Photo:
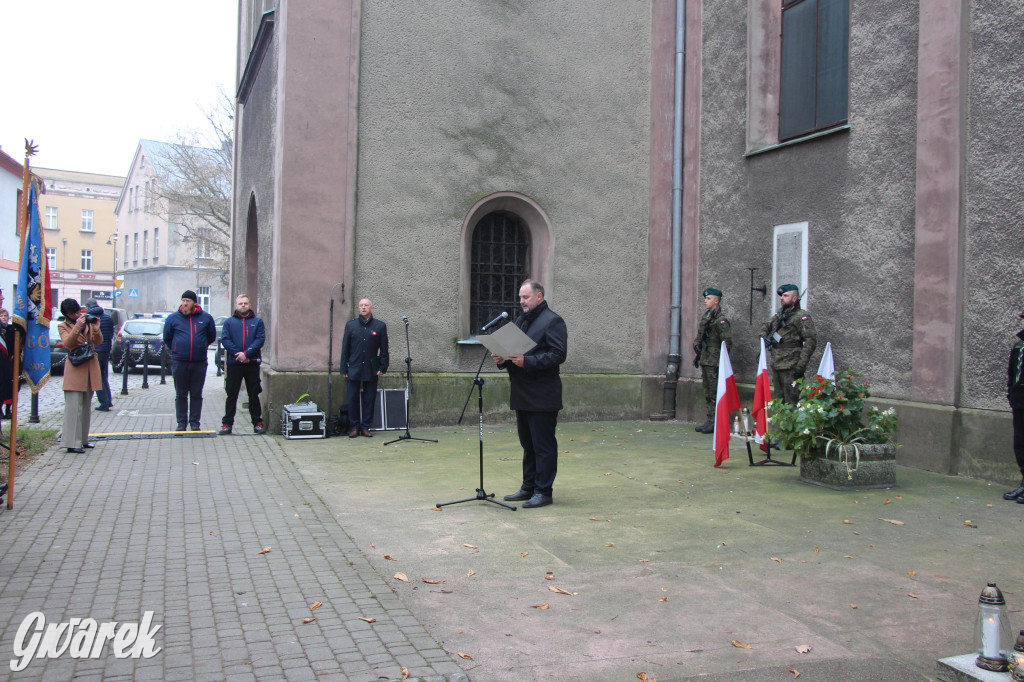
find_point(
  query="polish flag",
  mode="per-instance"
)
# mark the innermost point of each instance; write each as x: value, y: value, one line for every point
x: 728, y: 401
x: 762, y: 396
x: 827, y: 367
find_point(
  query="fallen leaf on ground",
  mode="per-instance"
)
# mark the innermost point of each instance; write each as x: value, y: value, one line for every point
x: 593, y: 518
x: 264, y: 550
x: 307, y: 621
x: 644, y: 677
x: 847, y: 521
x: 912, y: 595
x: 542, y: 607
x: 524, y: 554
x: 911, y: 573
x: 405, y: 673
x: 796, y: 673
x: 644, y: 561
x: 892, y: 521
x: 853, y: 606
x: 390, y: 558
x: 465, y: 656
x: 886, y: 501
x: 315, y: 605
x: 968, y: 524
x: 816, y: 550
x: 856, y: 533
x: 847, y: 556
x: 607, y: 473
x: 740, y: 645
x: 899, y: 497
x: 775, y: 558
x: 559, y: 590
x: 610, y: 544
x: 373, y: 546
x: 989, y: 506
x: 196, y: 463
x: 803, y: 648
x: 663, y: 599
x: 432, y: 582
x: 368, y: 620
x: 402, y: 576
x: 470, y: 546
x: 471, y: 573
x: 436, y: 509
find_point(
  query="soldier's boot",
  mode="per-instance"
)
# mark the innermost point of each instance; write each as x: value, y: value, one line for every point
x: 1016, y: 494
x: 707, y: 427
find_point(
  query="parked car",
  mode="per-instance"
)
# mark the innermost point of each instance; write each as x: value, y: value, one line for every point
x: 219, y: 323
x: 133, y: 335
x: 58, y: 353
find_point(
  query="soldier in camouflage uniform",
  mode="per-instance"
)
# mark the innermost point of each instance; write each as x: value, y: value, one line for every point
x: 711, y: 332
x: 790, y: 335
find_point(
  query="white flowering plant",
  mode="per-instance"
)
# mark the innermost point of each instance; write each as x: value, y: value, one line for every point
x: 831, y: 414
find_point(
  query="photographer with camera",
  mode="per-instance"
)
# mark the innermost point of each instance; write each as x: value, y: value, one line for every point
x: 92, y: 307
x: 80, y: 332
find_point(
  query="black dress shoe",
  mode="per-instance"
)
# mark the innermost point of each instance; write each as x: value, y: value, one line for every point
x: 519, y: 495
x: 78, y: 451
x: 354, y: 433
x: 1015, y: 494
x: 89, y: 446
x: 181, y: 428
x: 366, y: 433
x: 1020, y: 500
x: 103, y: 409
x: 537, y: 500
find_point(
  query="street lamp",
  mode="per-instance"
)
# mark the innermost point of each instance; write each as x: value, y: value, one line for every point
x: 64, y: 266
x: 113, y: 291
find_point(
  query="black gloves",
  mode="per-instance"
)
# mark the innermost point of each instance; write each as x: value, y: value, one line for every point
x: 798, y: 374
x: 696, y: 362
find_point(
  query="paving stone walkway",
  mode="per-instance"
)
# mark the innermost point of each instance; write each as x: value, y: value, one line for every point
x: 178, y: 526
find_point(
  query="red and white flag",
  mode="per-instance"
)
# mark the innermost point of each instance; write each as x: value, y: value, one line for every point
x: 728, y: 401
x: 827, y: 367
x: 762, y: 396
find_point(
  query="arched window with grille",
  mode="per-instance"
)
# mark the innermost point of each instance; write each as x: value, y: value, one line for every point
x: 499, y: 262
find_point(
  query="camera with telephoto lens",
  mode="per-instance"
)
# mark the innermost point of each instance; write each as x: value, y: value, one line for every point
x: 89, y: 319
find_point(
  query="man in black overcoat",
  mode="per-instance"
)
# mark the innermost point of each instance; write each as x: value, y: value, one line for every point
x: 536, y: 394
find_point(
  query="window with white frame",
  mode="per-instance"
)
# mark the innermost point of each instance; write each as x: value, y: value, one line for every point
x: 87, y: 215
x: 51, y: 257
x: 51, y: 218
x: 203, y: 294
x: 126, y: 251
x: 156, y: 244
x: 86, y: 260
x: 202, y: 248
x: 135, y: 253
x: 131, y: 199
x: 145, y: 246
x: 789, y: 259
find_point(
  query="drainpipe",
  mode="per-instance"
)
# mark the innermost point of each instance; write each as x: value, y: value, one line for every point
x: 674, y: 358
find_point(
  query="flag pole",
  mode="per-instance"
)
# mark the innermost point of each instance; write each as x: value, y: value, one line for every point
x: 30, y: 149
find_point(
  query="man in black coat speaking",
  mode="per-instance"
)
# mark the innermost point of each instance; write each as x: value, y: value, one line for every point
x: 536, y: 394
x: 364, y: 357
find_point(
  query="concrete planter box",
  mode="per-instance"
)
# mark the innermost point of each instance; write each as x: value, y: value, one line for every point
x: 877, y: 468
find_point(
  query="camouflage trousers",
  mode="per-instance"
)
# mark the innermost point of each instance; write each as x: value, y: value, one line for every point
x: 782, y: 386
x: 709, y: 373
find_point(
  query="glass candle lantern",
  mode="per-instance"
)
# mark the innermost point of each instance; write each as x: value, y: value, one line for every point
x: 992, y: 634
x: 1017, y: 659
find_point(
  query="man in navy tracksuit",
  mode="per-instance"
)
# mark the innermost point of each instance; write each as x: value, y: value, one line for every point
x: 189, y: 333
x: 243, y: 335
x: 364, y: 357
x: 103, y: 353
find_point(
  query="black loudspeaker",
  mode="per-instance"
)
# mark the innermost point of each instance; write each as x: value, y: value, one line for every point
x: 390, y: 409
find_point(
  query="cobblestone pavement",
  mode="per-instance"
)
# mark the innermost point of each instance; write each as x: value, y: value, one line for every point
x: 178, y: 526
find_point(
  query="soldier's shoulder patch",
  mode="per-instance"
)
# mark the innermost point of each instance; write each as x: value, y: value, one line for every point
x: 803, y: 318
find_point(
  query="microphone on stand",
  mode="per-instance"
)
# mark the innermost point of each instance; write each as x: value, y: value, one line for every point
x: 495, y: 321
x: 405, y: 318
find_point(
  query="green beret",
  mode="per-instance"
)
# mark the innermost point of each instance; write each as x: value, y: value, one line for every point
x: 711, y: 291
x: 787, y: 287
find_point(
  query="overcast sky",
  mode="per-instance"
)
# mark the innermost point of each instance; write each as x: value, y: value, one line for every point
x: 88, y: 80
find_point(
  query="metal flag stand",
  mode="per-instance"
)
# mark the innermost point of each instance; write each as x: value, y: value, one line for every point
x: 767, y: 461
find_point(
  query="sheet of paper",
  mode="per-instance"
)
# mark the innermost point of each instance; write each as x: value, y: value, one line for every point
x: 509, y: 340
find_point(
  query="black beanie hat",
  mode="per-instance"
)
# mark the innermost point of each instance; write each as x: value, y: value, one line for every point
x: 190, y: 295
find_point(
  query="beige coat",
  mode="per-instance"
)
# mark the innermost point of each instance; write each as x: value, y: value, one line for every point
x: 84, y: 377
